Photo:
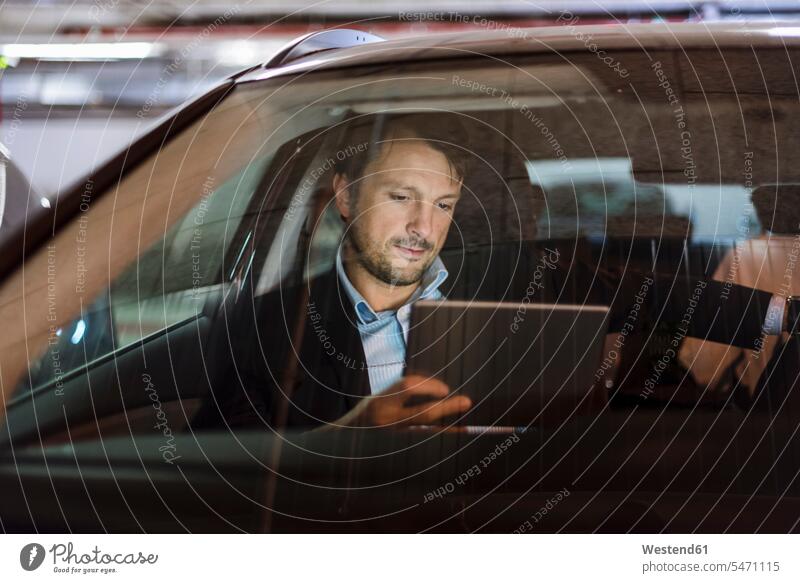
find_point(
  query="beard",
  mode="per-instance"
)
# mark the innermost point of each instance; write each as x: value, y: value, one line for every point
x: 376, y: 257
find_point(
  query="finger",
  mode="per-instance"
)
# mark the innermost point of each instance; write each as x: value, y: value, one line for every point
x: 420, y: 385
x: 430, y: 413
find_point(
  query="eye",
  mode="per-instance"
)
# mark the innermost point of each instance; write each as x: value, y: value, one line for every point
x: 398, y: 196
x: 446, y: 206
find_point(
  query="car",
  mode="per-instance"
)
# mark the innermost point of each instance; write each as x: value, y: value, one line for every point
x: 628, y: 151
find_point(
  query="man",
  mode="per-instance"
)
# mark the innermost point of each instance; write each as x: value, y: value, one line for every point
x: 343, y: 365
x: 397, y: 210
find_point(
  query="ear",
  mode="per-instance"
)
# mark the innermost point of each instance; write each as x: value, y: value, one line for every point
x: 342, y: 196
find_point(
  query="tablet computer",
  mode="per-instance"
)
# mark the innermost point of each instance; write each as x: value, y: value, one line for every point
x: 521, y: 364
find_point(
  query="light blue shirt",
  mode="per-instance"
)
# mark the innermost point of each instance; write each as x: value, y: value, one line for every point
x: 384, y: 334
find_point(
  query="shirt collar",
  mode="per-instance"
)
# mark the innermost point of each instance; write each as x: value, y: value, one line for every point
x: 432, y: 279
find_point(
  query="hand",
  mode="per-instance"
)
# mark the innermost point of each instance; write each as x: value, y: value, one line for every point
x: 392, y: 408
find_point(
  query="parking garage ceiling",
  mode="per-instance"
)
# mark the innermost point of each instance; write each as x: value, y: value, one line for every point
x: 47, y: 17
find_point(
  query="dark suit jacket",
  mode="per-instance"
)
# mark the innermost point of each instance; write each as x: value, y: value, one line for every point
x: 282, y: 371
x: 296, y: 357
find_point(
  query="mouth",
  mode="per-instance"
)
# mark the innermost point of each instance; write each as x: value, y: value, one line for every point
x: 411, y: 253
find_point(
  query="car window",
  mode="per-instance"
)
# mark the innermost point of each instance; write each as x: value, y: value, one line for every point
x: 168, y: 283
x: 155, y: 248
x: 607, y: 178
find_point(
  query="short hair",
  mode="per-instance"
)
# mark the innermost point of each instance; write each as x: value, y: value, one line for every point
x: 778, y: 207
x: 364, y: 136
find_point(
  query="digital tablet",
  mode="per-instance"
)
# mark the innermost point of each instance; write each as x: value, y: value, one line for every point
x: 521, y: 364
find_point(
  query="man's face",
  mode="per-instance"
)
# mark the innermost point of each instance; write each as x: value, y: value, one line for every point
x: 399, y: 218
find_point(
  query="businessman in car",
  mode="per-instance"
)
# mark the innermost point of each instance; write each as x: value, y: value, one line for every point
x: 344, y: 365
x: 341, y: 362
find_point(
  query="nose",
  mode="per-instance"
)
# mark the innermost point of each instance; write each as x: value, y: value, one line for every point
x: 420, y: 222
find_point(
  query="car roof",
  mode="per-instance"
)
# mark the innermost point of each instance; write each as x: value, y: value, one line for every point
x: 510, y: 41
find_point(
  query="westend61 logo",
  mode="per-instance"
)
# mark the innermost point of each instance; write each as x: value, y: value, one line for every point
x: 31, y: 556
x: 65, y: 560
